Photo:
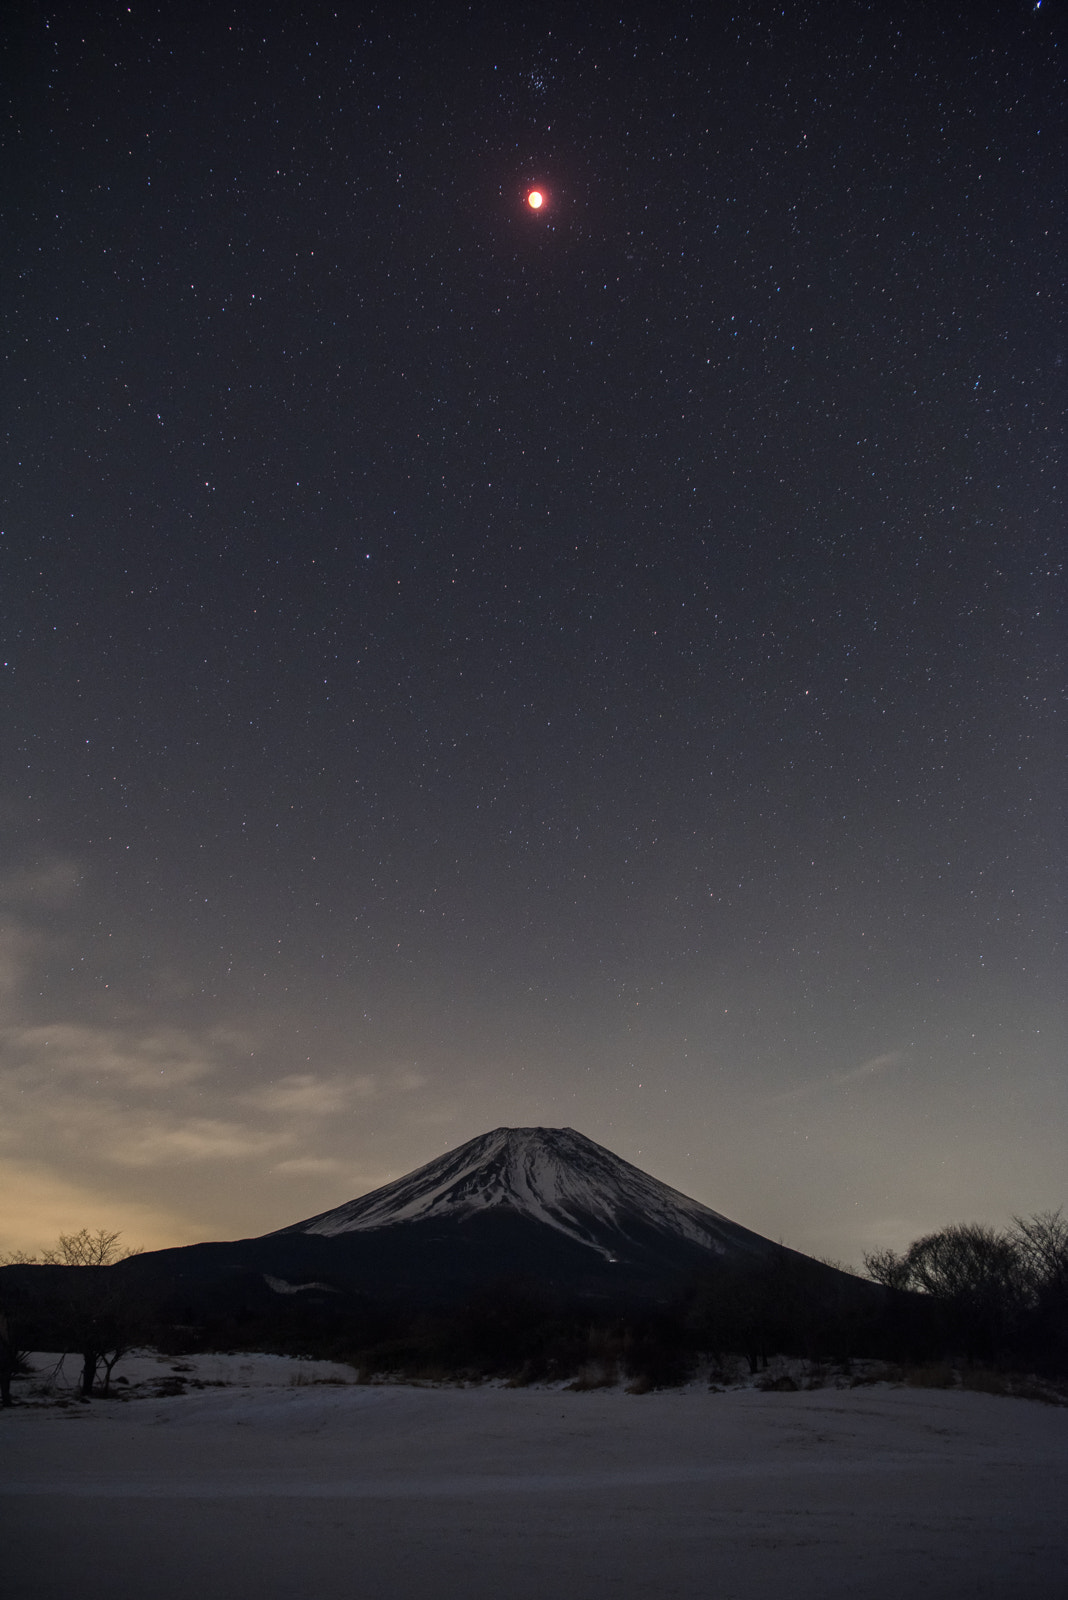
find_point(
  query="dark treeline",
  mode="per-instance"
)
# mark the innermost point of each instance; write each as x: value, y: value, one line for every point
x: 967, y: 1296
x: 995, y: 1296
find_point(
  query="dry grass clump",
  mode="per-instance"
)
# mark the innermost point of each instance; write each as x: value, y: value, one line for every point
x: 932, y: 1375
x: 596, y: 1375
x: 1013, y: 1385
x: 983, y: 1380
x: 641, y: 1385
x: 976, y: 1380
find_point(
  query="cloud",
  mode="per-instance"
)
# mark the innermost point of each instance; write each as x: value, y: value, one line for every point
x: 409, y: 1082
x: 125, y: 1096
x: 873, y: 1067
x: 102, y: 1109
x: 48, y: 886
x: 27, y: 895
x: 93, y: 1099
x: 193, y: 1139
x: 103, y: 1130
x: 156, y: 1058
x: 181, y: 1120
x: 305, y: 1094
x: 18, y: 946
x: 311, y: 1167
x: 302, y: 1094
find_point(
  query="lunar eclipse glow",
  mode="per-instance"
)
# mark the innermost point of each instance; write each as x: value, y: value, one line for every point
x: 536, y: 199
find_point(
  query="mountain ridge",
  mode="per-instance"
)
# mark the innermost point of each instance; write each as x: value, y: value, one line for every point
x: 554, y: 1176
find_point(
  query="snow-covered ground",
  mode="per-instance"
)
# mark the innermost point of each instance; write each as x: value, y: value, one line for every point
x: 282, y: 1479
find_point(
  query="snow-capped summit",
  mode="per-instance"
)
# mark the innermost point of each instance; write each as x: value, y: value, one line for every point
x: 552, y: 1176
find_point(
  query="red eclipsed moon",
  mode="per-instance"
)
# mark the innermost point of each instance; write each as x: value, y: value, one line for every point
x: 535, y: 199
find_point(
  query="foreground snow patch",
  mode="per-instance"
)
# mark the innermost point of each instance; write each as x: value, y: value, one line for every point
x: 268, y: 1488
x: 146, y: 1372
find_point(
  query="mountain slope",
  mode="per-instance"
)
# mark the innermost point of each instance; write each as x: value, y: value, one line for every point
x: 552, y: 1176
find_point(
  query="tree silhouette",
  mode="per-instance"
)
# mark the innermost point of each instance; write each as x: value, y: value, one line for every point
x: 997, y: 1291
x: 88, y: 1307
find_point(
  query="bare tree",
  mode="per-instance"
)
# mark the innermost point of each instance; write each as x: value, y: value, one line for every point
x: 997, y: 1292
x: 91, y: 1309
x: 887, y: 1268
x: 972, y: 1263
x: 82, y: 1249
x: 12, y: 1359
x: 1042, y: 1244
x: 85, y: 1249
x: 969, y: 1264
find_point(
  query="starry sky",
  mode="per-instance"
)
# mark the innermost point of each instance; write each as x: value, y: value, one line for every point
x: 464, y: 665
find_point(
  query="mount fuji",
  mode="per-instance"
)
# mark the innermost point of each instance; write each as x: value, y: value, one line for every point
x: 554, y: 1177
x: 535, y: 1206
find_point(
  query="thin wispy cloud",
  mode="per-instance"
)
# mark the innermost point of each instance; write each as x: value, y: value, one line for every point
x: 18, y: 946
x: 95, y: 1105
x: 873, y: 1067
x: 303, y: 1094
x: 48, y: 886
x: 197, y: 1139
x: 312, y: 1167
x: 150, y: 1058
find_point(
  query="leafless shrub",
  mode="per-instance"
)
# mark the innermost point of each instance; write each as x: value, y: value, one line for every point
x: 780, y: 1384
x: 641, y: 1385
x: 595, y: 1375
x: 934, y: 1375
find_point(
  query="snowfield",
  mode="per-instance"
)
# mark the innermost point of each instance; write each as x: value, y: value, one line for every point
x: 285, y: 1478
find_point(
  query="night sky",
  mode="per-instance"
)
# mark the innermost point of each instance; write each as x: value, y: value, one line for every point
x: 465, y: 665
